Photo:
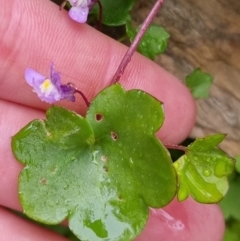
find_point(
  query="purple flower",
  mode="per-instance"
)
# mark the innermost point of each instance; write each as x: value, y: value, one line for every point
x: 80, y: 9
x: 49, y: 89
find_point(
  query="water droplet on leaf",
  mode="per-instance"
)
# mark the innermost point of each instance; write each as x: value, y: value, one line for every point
x: 172, y: 223
x: 207, y: 172
x: 95, y: 157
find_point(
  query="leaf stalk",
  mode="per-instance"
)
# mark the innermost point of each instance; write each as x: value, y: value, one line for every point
x: 126, y: 59
x: 176, y: 147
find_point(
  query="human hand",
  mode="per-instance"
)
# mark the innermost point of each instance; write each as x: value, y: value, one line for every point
x: 35, y: 33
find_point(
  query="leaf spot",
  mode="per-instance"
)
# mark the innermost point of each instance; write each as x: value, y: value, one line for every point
x: 114, y: 136
x: 43, y: 181
x: 105, y: 169
x: 104, y: 158
x: 98, y: 117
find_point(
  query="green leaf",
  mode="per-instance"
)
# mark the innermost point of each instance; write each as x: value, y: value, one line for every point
x: 101, y: 172
x: 232, y: 232
x: 231, y: 235
x: 153, y: 43
x: 199, y: 83
x: 115, y: 12
x: 231, y: 202
x: 203, y: 169
x: 237, y: 164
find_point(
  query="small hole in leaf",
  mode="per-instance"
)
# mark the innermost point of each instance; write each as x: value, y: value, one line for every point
x: 105, y: 169
x: 114, y: 136
x: 98, y: 117
x: 43, y: 181
x: 104, y: 158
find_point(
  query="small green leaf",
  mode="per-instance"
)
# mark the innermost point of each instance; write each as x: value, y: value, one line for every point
x: 232, y: 232
x: 231, y: 235
x: 237, y: 164
x: 231, y: 202
x: 115, y: 12
x: 101, y: 172
x: 199, y: 83
x: 203, y: 169
x: 153, y: 43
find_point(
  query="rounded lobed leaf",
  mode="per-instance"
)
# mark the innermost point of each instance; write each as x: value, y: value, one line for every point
x: 101, y: 172
x: 203, y: 170
x: 126, y: 135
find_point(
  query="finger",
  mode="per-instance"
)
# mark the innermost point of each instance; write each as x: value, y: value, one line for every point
x: 36, y: 33
x: 15, y: 228
x: 184, y: 221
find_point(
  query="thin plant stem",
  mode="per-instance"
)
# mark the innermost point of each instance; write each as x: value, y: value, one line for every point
x: 83, y: 96
x: 63, y: 4
x: 100, y: 15
x: 176, y: 147
x: 72, y: 86
x: 126, y: 59
x: 123, y: 38
x: 100, y: 12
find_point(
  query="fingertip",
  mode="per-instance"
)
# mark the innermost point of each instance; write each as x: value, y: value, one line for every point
x: 180, y: 113
x: 184, y: 221
x: 14, y: 228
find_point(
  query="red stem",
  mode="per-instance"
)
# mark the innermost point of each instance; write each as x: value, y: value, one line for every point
x: 63, y: 5
x: 176, y: 147
x: 126, y: 59
x: 83, y: 96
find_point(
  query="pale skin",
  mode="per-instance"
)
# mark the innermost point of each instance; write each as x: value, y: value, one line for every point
x: 34, y: 33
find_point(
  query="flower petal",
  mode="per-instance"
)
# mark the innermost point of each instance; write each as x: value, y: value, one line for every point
x: 68, y: 92
x: 48, y: 92
x: 55, y: 76
x: 49, y: 89
x: 79, y: 14
x: 49, y: 99
x: 33, y: 77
